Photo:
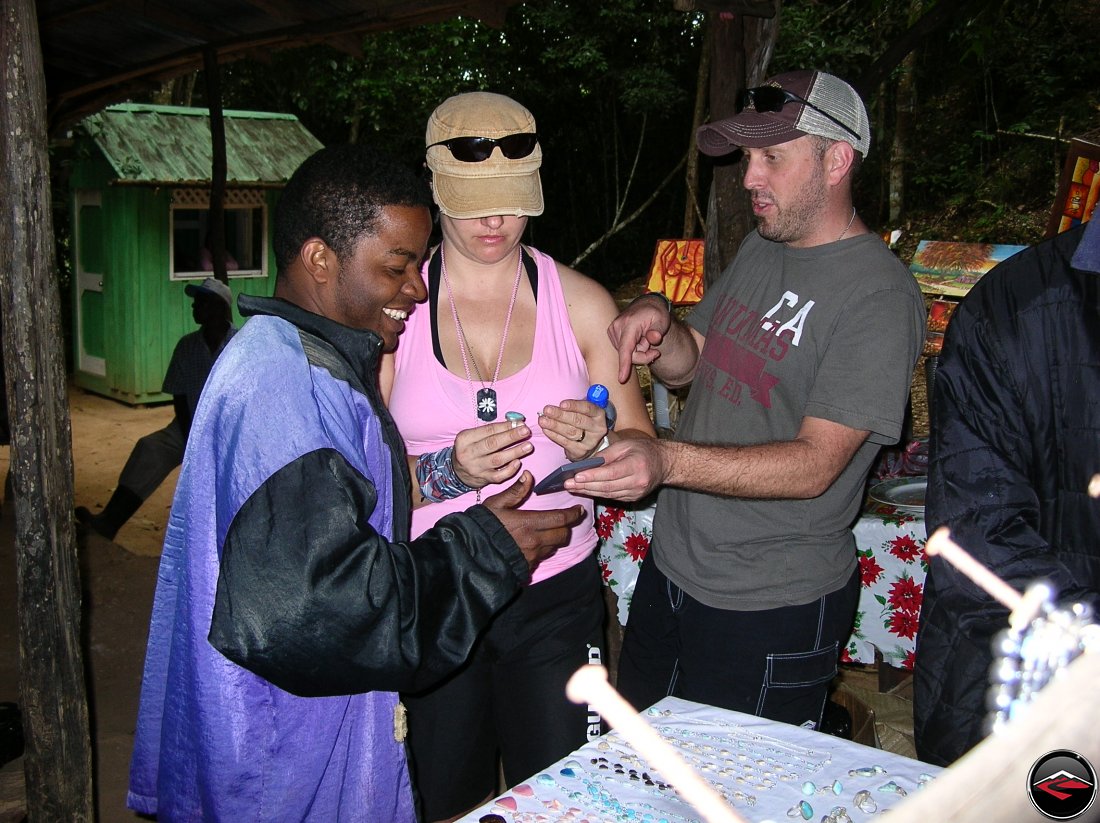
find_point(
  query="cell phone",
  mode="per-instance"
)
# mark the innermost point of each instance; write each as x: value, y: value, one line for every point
x: 555, y: 481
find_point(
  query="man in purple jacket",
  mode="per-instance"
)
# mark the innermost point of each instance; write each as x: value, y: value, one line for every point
x: 290, y: 604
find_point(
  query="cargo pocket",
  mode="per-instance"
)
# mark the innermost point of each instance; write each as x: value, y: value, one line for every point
x: 796, y: 685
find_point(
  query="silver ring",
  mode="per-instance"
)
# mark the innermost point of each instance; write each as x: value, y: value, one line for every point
x: 584, y: 434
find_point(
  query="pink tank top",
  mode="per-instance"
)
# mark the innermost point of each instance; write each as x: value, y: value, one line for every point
x: 431, y: 406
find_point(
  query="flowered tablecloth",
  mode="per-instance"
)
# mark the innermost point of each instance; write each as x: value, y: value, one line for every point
x: 892, y: 566
x: 624, y: 536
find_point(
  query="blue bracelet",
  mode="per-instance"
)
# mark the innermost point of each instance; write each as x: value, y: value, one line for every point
x: 435, y: 472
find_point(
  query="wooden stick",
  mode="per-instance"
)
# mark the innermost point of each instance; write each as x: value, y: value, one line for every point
x: 987, y: 783
x: 941, y: 543
x: 589, y: 685
x: 1031, y: 605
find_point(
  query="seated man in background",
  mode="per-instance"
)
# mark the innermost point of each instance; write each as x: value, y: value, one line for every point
x: 1015, y: 432
x: 155, y: 455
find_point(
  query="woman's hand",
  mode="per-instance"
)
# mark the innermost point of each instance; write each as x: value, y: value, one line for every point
x: 578, y: 426
x: 491, y: 453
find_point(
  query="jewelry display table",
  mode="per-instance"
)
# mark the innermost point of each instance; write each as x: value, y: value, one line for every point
x: 890, y: 544
x: 765, y: 771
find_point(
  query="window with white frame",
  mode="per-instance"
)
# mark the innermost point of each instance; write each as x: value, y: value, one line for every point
x: 245, y: 233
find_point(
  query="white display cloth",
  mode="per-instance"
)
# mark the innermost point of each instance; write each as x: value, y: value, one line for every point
x: 763, y: 769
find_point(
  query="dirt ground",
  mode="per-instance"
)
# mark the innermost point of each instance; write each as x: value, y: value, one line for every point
x: 103, y: 433
x: 117, y: 581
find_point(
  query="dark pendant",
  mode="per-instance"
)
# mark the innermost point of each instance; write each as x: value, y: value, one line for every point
x: 486, y: 404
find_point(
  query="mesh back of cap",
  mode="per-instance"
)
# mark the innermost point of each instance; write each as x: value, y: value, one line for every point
x: 841, y: 101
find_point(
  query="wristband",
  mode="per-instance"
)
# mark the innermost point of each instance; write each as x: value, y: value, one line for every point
x: 664, y: 297
x: 435, y: 472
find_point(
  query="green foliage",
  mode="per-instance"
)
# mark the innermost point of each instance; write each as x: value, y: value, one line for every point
x: 999, y: 91
x: 601, y: 79
x: 612, y: 86
x: 823, y: 36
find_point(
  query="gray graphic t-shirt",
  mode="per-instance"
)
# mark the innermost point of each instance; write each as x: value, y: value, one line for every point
x: 831, y: 332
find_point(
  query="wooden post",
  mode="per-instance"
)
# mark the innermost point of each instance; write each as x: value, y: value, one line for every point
x: 58, y: 764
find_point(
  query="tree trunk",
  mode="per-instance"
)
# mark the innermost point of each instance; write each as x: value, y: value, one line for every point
x: 176, y: 92
x: 58, y: 765
x: 904, y: 104
x: 742, y: 50
x: 692, y: 213
x: 183, y: 90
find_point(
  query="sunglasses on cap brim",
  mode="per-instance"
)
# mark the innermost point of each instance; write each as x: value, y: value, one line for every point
x: 477, y: 149
x: 774, y: 98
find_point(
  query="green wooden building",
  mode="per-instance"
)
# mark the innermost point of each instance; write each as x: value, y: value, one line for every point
x: 140, y: 197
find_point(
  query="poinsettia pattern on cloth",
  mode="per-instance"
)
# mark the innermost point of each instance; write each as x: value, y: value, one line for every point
x: 624, y: 538
x: 893, y: 565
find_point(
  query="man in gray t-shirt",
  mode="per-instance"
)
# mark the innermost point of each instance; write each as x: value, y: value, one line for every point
x: 800, y: 358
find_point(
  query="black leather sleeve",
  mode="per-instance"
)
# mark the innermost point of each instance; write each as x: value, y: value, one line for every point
x: 313, y: 599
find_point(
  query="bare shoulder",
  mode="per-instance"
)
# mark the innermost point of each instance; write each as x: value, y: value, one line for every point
x: 588, y: 301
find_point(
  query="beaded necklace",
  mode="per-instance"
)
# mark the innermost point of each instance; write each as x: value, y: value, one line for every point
x: 485, y: 398
x: 762, y: 749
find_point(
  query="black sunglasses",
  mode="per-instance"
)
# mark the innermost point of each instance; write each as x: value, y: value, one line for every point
x: 774, y: 98
x: 476, y: 149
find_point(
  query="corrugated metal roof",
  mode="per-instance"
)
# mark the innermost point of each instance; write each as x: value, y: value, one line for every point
x: 162, y: 145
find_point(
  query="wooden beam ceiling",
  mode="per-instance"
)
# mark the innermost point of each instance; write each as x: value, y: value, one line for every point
x: 98, y: 52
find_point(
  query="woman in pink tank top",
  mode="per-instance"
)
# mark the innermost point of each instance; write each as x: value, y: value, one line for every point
x: 505, y: 329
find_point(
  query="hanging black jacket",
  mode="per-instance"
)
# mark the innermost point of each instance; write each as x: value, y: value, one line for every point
x: 1015, y: 438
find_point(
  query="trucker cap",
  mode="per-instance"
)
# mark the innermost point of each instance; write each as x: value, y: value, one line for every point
x: 789, y: 106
